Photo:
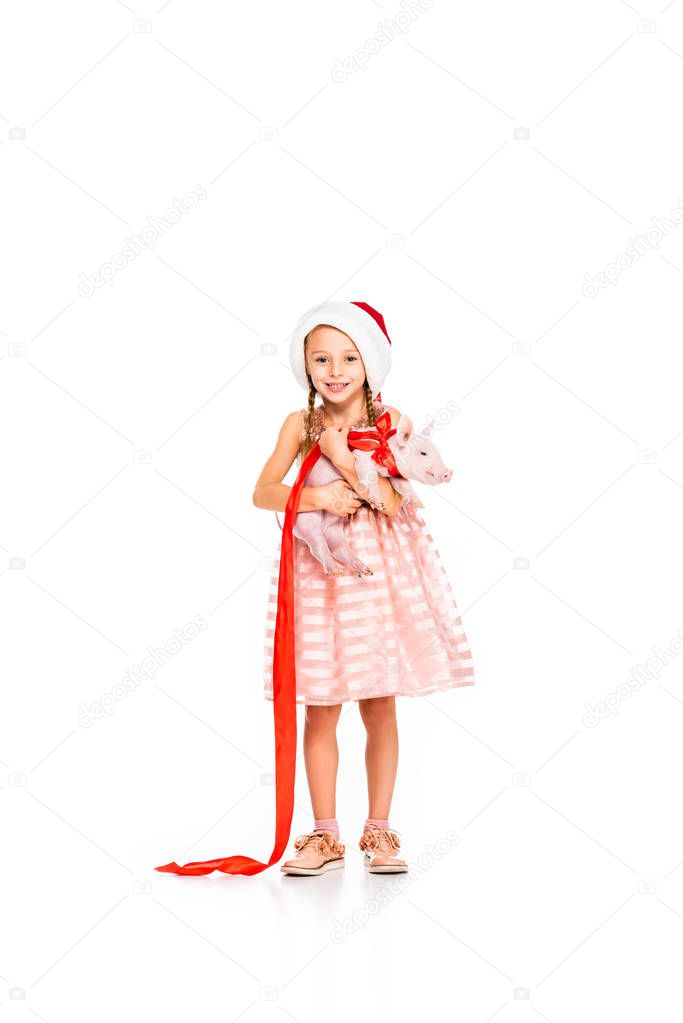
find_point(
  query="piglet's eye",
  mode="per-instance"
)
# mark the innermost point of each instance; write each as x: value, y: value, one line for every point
x: 423, y: 452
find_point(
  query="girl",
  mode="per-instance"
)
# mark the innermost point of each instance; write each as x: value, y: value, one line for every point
x: 369, y: 638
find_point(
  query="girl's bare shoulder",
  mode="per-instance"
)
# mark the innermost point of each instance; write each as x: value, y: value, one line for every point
x: 285, y: 450
x: 291, y: 426
x: 394, y: 413
x: 289, y: 435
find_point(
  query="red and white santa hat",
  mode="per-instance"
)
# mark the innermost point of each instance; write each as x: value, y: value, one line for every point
x: 363, y: 324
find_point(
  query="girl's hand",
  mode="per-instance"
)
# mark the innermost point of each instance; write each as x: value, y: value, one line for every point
x: 338, y: 497
x: 334, y: 445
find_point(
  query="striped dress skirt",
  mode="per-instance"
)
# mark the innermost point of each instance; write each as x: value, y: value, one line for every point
x: 396, y: 632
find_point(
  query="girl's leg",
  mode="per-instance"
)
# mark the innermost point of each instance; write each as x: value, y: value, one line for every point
x: 321, y: 755
x: 381, y: 752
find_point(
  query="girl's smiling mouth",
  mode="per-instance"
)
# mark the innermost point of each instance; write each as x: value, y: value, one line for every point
x: 336, y: 387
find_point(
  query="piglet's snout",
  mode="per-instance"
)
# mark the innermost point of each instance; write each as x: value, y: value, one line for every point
x: 440, y: 475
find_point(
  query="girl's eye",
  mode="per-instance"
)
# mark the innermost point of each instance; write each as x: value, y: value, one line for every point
x: 319, y: 357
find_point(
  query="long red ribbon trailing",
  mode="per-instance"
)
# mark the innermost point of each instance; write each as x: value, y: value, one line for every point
x: 284, y: 703
x: 284, y: 670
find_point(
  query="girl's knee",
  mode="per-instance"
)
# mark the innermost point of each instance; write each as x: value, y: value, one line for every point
x: 379, y: 708
x: 322, y: 717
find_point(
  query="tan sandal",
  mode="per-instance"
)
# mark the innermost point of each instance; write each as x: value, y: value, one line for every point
x: 379, y: 846
x: 317, y: 853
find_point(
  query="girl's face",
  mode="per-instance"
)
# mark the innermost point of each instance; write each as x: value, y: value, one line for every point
x: 334, y: 364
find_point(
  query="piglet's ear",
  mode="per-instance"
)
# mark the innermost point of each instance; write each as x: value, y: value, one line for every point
x: 427, y: 430
x: 404, y: 430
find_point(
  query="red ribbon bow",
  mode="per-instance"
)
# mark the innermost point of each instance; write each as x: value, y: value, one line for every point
x: 377, y: 441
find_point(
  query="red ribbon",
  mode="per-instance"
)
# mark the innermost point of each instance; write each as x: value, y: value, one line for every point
x: 284, y: 703
x: 284, y: 671
x: 377, y: 442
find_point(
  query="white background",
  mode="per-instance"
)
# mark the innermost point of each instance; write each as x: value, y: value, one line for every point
x: 468, y: 177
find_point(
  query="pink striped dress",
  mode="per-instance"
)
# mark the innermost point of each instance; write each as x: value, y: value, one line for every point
x: 394, y: 633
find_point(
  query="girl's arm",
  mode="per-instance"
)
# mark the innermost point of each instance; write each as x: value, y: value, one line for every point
x: 391, y: 499
x: 270, y: 493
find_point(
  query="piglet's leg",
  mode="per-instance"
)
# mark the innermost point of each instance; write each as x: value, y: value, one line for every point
x: 309, y: 528
x: 405, y: 488
x: 368, y: 471
x: 339, y: 546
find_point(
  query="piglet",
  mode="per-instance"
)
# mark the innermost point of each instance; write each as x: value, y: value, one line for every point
x: 416, y: 458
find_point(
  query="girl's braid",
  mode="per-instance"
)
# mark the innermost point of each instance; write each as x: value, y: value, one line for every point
x: 307, y: 442
x: 372, y: 419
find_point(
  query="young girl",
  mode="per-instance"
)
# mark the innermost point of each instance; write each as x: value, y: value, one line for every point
x: 366, y: 638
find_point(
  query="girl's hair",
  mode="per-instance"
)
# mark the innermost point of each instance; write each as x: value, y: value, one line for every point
x: 307, y: 441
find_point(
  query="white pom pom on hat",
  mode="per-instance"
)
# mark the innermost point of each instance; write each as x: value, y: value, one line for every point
x: 363, y: 324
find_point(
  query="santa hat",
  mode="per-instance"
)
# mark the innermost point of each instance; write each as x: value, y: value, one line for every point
x: 363, y: 324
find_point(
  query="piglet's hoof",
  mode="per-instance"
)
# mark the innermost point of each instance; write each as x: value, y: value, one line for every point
x: 330, y: 566
x: 359, y: 567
